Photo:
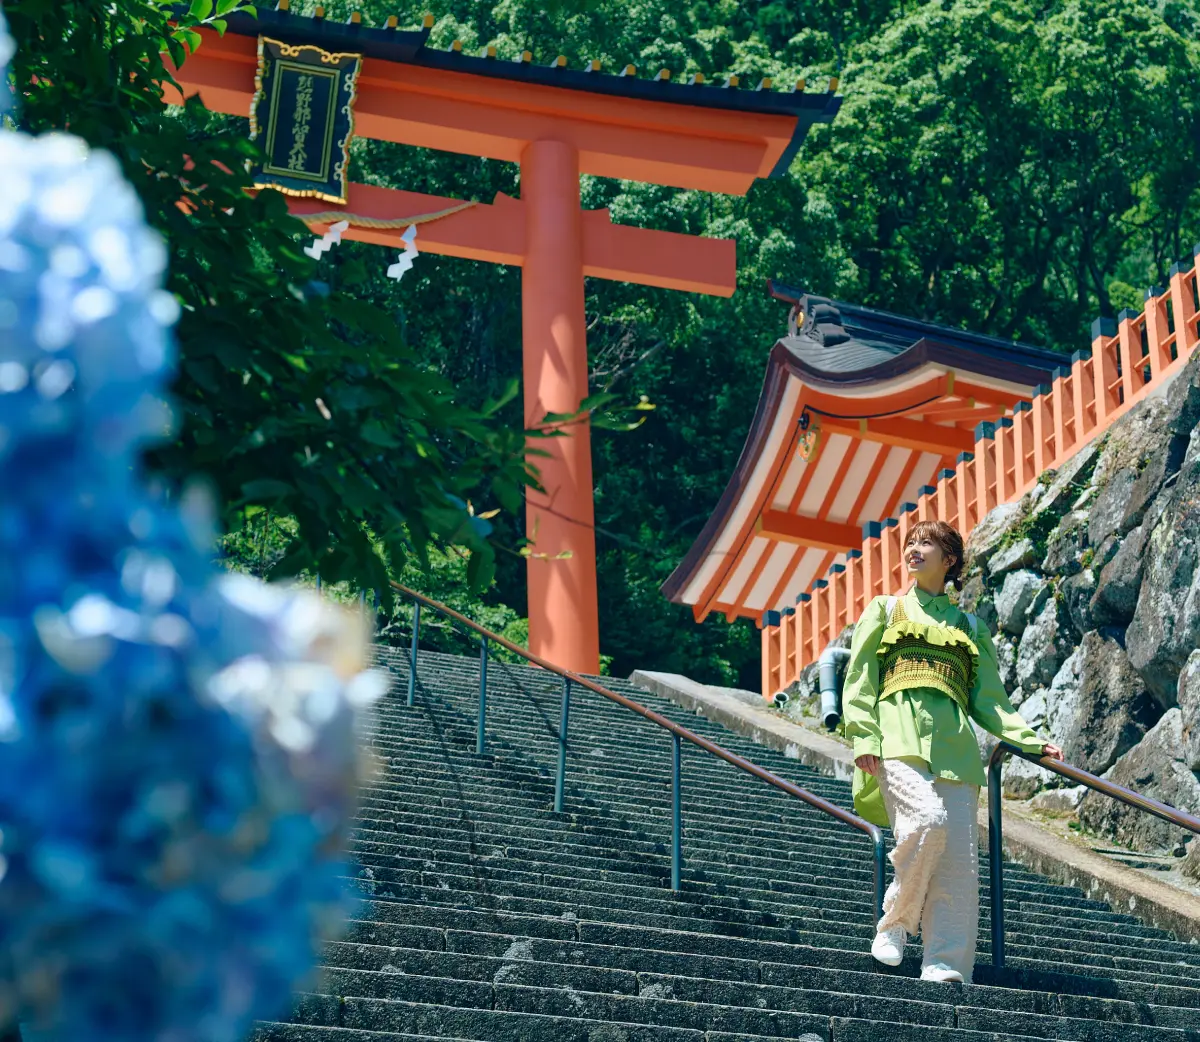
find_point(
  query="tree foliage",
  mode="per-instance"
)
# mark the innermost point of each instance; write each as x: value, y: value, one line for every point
x: 295, y: 393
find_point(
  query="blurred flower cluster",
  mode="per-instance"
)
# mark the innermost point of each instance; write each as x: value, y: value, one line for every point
x: 178, y: 759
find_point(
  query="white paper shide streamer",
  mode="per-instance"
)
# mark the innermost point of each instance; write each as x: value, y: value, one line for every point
x: 327, y: 241
x: 405, y: 260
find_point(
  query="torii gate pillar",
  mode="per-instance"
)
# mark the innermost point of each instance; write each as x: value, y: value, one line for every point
x: 564, y: 625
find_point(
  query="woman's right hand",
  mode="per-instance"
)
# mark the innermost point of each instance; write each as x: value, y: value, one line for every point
x: 868, y: 764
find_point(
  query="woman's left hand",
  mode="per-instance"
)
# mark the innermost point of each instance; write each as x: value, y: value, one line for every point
x: 1053, y: 751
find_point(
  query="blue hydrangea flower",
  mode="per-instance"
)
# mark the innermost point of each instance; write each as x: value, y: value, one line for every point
x: 178, y: 762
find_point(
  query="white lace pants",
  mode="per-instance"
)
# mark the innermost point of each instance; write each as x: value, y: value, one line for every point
x: 936, y: 861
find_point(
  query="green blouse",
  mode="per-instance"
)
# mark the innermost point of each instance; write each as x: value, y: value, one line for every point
x: 923, y: 722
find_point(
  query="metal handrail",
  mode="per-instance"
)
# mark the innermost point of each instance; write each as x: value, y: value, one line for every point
x: 677, y: 732
x: 1076, y: 774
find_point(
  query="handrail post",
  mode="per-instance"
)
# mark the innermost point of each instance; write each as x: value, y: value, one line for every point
x: 483, y: 659
x: 996, y: 856
x: 880, y: 860
x: 412, y: 657
x: 561, y: 777
x: 676, y: 813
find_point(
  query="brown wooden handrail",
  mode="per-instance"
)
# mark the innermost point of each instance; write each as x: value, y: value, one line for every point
x: 1081, y: 777
x: 679, y: 733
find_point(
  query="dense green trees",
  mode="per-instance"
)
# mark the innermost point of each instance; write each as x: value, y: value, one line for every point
x: 1011, y: 166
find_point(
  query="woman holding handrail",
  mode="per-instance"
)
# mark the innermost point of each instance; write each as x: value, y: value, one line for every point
x: 920, y: 671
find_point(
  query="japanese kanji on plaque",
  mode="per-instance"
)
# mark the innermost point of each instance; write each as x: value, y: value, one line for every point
x: 303, y: 116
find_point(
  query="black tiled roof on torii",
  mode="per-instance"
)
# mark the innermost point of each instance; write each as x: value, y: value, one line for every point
x: 409, y: 46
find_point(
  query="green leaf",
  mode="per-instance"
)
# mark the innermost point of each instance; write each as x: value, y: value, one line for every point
x: 200, y: 9
x: 376, y: 435
x: 266, y: 488
x: 481, y: 570
x: 511, y: 390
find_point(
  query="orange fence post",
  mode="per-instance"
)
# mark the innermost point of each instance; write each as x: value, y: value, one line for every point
x: 872, y: 561
x: 837, y: 599
x: 907, y: 518
x: 856, y: 598
x: 1021, y: 448
x: 1183, y: 308
x: 770, y: 646
x: 1104, y: 368
x: 926, y: 504
x: 820, y: 595
x: 940, y: 504
x: 964, y: 482
x: 806, y: 606
x: 800, y: 643
x: 1062, y: 409
x: 1084, y: 402
x: 1042, y: 426
x: 986, y: 483
x: 784, y: 645
x: 1004, y: 459
x: 1129, y: 344
x: 893, y: 547
x: 1158, y: 332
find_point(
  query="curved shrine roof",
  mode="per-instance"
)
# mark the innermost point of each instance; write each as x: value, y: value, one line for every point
x: 860, y: 411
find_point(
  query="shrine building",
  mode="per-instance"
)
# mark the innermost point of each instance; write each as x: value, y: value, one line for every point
x: 860, y: 412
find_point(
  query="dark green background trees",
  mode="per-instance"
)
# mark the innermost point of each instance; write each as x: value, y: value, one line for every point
x: 1013, y: 167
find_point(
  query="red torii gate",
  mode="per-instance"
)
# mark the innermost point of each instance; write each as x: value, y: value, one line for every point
x: 557, y: 123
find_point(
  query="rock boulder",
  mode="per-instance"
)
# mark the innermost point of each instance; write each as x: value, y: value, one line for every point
x: 1120, y: 578
x: 991, y: 532
x: 1066, y: 545
x: 1097, y: 707
x: 1023, y: 591
x: 1077, y: 592
x: 1019, y: 554
x: 1165, y: 627
x: 1108, y: 508
x: 1044, y: 645
x: 1059, y: 801
x: 1161, y: 466
x: 1189, y: 709
x: 1155, y: 767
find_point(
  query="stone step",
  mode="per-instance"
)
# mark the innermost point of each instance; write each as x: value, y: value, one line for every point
x: 1035, y: 949
x: 544, y: 964
x: 491, y: 1025
x: 492, y: 827
x: 825, y: 910
x: 497, y: 936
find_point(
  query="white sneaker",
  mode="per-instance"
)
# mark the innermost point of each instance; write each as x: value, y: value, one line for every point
x: 888, y: 946
x: 941, y: 972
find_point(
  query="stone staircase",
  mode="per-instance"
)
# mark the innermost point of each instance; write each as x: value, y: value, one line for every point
x: 490, y: 917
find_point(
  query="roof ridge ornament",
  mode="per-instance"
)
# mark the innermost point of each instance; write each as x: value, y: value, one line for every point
x: 817, y: 318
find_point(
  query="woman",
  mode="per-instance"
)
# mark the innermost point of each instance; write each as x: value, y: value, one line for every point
x: 920, y: 670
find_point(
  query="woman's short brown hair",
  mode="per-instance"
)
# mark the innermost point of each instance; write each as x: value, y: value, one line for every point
x: 947, y: 539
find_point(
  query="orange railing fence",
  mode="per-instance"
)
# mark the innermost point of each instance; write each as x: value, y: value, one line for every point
x: 1129, y: 360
